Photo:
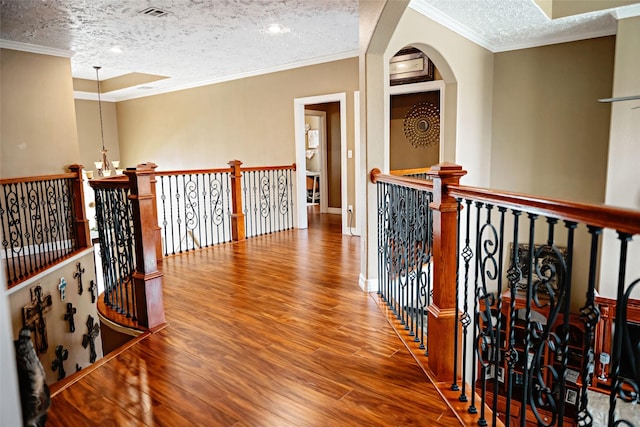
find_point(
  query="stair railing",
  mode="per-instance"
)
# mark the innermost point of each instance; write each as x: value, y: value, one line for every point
x: 43, y: 222
x: 495, y: 278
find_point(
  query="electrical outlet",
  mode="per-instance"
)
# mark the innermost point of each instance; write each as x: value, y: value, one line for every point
x: 350, y: 208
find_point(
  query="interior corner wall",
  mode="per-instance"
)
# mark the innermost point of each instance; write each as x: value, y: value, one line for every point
x: 467, y: 68
x: 550, y: 135
x: 38, y: 134
x: 623, y: 173
x: 89, y: 134
x: 249, y: 119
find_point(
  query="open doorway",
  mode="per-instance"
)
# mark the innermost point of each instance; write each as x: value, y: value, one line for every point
x: 324, y: 159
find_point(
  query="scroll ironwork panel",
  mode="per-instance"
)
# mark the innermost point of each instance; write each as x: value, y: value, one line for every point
x: 38, y: 226
x: 193, y: 209
x: 267, y: 200
x: 404, y: 253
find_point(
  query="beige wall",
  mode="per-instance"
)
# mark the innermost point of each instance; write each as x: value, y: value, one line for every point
x: 550, y: 135
x: 402, y: 154
x: 89, y: 138
x: 38, y: 134
x: 249, y: 119
x: 467, y: 70
x: 623, y: 171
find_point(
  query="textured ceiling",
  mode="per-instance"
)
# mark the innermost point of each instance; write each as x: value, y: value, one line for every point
x: 501, y: 25
x: 198, y: 40
x: 206, y: 41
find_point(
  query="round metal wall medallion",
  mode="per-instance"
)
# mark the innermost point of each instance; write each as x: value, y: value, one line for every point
x: 422, y: 125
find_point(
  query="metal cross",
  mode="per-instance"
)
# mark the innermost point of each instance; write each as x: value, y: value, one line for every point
x: 93, y: 288
x: 33, y: 317
x: 89, y: 338
x: 62, y: 354
x: 62, y: 287
x: 78, y: 275
x: 71, y: 311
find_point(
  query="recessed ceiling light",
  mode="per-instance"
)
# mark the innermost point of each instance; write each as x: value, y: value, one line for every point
x: 116, y: 49
x: 277, y: 29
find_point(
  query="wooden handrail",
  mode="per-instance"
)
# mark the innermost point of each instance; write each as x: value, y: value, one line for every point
x: 17, y: 180
x: 418, y: 184
x: 414, y: 171
x: 621, y: 219
x: 119, y: 181
x: 268, y: 168
x: 193, y: 171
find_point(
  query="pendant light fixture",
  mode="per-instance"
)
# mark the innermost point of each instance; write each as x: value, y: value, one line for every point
x: 104, y: 167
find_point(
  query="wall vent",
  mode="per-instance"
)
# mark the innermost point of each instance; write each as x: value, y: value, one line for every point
x: 154, y: 11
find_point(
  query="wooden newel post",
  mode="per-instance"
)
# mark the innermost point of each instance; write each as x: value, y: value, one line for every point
x: 442, y: 310
x: 147, y: 279
x: 158, y: 229
x: 237, y: 215
x: 79, y: 215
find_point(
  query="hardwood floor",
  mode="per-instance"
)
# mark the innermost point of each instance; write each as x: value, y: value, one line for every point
x: 272, y: 331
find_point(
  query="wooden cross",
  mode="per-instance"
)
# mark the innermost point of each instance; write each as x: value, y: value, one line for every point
x: 62, y: 354
x: 71, y: 311
x: 93, y: 288
x: 33, y: 317
x: 89, y: 338
x: 78, y: 275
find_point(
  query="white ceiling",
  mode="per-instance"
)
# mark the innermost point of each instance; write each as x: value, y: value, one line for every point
x: 207, y: 41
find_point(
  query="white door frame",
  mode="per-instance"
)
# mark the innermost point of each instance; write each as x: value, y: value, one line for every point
x: 301, y: 176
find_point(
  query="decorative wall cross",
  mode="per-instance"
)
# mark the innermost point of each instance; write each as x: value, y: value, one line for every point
x: 33, y: 317
x: 62, y: 354
x: 71, y: 311
x: 62, y: 286
x: 89, y: 338
x: 93, y: 288
x: 78, y: 275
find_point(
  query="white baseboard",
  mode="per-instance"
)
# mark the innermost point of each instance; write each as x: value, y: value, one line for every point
x: 368, y: 285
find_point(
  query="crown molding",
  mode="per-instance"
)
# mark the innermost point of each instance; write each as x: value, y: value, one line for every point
x: 624, y: 12
x: 32, y: 48
x: 546, y: 41
x: 429, y: 11
x: 126, y: 96
x: 455, y: 26
x: 92, y: 96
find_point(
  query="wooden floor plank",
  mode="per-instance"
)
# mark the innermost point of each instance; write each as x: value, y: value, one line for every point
x: 272, y: 331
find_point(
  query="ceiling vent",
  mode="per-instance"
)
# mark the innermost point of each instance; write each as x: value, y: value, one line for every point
x: 154, y: 11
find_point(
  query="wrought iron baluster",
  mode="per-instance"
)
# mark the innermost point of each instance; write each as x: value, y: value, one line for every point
x: 618, y: 333
x: 497, y: 342
x: 40, y: 245
x: 381, y: 229
x: 163, y: 209
x: 55, y: 230
x: 476, y: 326
x: 590, y: 315
x: 528, y: 331
x: 514, y: 276
x: 5, y: 242
x: 456, y: 338
x: 33, y: 220
x: 486, y: 339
